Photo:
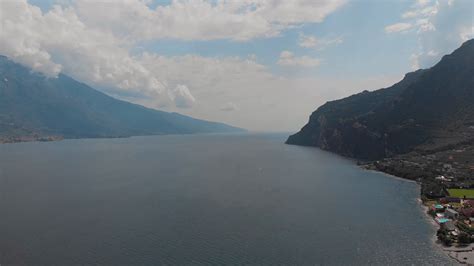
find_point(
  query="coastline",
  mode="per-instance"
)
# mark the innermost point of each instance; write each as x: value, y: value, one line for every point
x: 435, y: 242
x: 459, y: 255
x: 422, y: 207
x: 393, y: 176
x: 61, y: 138
x: 20, y: 139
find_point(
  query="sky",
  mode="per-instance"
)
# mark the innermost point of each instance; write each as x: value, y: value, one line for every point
x: 263, y: 65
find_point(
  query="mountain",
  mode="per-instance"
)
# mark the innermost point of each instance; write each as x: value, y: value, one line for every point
x: 430, y: 110
x: 34, y: 107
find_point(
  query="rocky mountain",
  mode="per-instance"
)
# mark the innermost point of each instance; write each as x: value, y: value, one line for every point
x: 429, y: 111
x: 33, y: 107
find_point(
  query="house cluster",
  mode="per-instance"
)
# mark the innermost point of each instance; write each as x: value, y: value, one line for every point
x: 448, y: 182
x: 455, y: 216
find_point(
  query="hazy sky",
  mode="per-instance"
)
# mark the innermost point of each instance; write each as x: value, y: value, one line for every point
x: 259, y: 64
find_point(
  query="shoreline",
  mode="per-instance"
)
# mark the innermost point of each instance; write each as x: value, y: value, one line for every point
x: 434, y: 225
x: 392, y: 176
x: 58, y: 139
x: 452, y: 252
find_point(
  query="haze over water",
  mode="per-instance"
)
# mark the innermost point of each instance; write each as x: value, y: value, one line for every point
x: 210, y: 199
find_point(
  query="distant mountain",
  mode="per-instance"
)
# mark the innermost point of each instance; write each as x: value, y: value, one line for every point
x: 34, y: 107
x: 428, y: 111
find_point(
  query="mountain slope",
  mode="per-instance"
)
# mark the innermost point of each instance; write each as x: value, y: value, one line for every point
x: 32, y: 107
x: 427, y: 111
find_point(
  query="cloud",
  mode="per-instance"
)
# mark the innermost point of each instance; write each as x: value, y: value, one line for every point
x: 418, y: 17
x: 182, y: 97
x: 424, y: 25
x: 204, y: 20
x: 229, y: 106
x: 309, y: 41
x: 261, y: 97
x: 20, y: 40
x: 398, y: 27
x: 421, y: 12
x: 422, y: 3
x: 287, y: 58
x: 466, y: 33
x: 440, y: 26
x: 91, y: 40
x: 58, y: 41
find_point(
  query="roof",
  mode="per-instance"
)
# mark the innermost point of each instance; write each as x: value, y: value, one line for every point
x: 449, y: 225
x: 468, y: 212
x: 469, y: 202
x: 442, y: 220
x: 451, y: 211
x: 450, y: 199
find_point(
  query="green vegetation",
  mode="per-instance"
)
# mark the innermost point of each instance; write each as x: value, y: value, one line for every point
x: 444, y: 237
x: 464, y: 238
x: 455, y: 205
x: 461, y: 193
x: 465, y: 228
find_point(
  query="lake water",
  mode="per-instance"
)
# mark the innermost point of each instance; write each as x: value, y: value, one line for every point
x: 210, y: 199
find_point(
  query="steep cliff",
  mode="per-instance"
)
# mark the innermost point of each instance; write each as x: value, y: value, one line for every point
x: 427, y: 111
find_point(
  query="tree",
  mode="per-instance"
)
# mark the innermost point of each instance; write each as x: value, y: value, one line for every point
x: 445, y: 238
x: 431, y: 212
x: 440, y: 232
x: 448, y: 241
x: 464, y: 238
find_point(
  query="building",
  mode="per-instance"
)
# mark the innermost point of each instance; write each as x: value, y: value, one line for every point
x: 437, y: 208
x: 467, y: 202
x: 448, y: 226
x: 450, y: 213
x: 441, y: 220
x: 444, y: 179
x: 467, y: 212
x: 446, y: 200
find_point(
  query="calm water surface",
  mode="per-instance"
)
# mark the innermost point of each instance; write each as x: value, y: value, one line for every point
x: 215, y: 199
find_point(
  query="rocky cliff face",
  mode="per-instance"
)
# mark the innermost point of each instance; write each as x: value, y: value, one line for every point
x: 428, y: 111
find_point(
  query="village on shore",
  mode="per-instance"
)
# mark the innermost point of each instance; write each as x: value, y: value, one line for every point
x: 28, y: 138
x: 452, y: 208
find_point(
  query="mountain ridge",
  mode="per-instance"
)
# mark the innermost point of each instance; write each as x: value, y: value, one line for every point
x: 419, y: 128
x: 33, y: 107
x: 397, y: 119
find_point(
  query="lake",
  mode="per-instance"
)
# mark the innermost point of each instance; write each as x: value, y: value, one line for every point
x: 204, y: 199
